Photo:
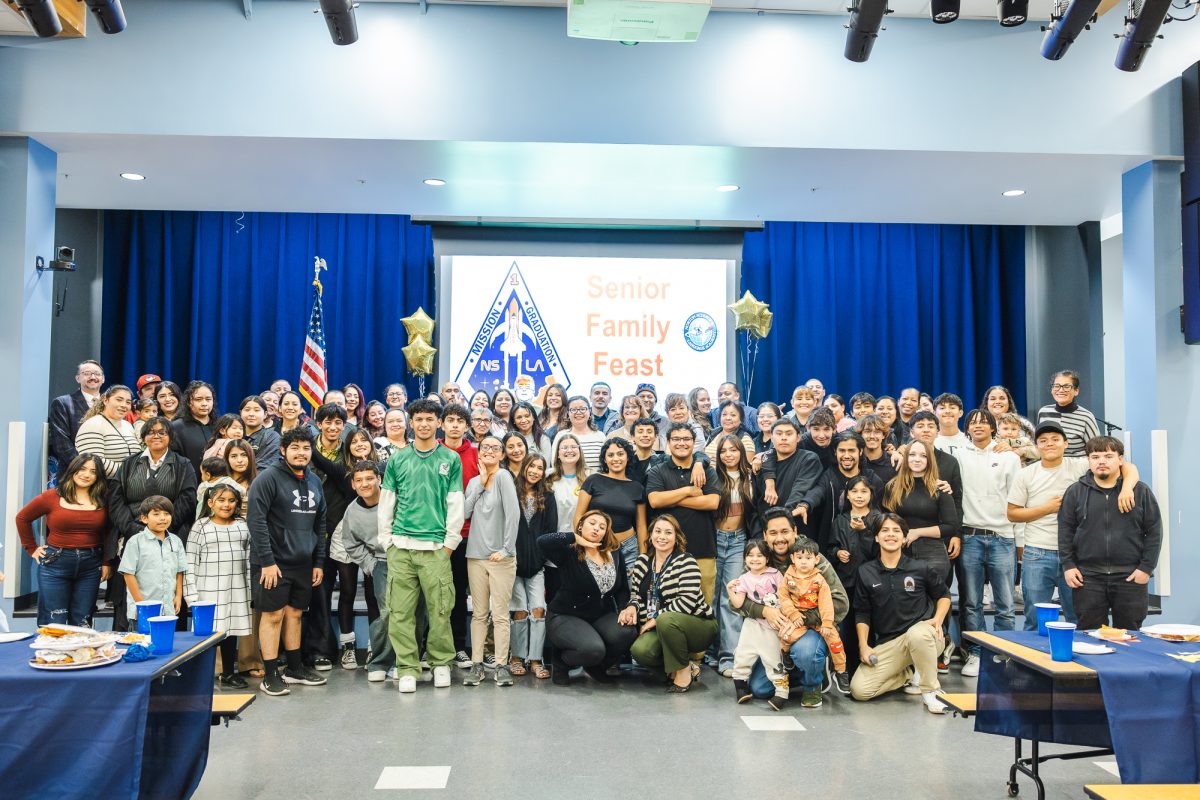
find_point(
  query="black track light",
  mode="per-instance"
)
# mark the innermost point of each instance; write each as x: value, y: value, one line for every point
x: 1012, y: 13
x: 866, y: 18
x: 42, y: 17
x: 943, y: 11
x: 109, y: 14
x: 1141, y: 28
x: 1065, y: 27
x: 339, y: 16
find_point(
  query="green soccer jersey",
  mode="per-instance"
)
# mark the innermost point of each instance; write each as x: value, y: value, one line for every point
x: 421, y: 482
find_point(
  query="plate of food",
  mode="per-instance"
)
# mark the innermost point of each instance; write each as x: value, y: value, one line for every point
x: 69, y: 637
x: 1111, y: 634
x: 135, y: 638
x: 79, y: 658
x: 1173, y: 632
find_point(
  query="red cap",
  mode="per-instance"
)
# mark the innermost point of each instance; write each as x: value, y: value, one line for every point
x: 149, y: 378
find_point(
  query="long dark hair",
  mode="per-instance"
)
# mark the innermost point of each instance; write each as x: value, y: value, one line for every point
x: 365, y: 425
x: 211, y: 493
x: 171, y: 388
x: 544, y: 417
x: 504, y: 462
x: 538, y: 490
x: 359, y: 433
x: 185, y: 406
x: 252, y: 463
x: 221, y: 426
x: 98, y: 491
x: 361, y: 411
x: 535, y: 432
x: 505, y: 421
x: 726, y: 484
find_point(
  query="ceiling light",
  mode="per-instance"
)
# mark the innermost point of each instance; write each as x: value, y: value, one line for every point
x: 944, y: 11
x: 1012, y: 13
x: 1140, y: 32
x: 434, y: 182
x: 1066, y: 25
x: 109, y: 14
x: 42, y: 17
x: 1014, y: 193
x: 339, y: 16
x: 133, y: 176
x: 728, y: 187
x: 866, y: 18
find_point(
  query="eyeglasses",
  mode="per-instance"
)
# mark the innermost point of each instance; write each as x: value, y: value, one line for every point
x: 91, y: 374
x: 1061, y: 387
x: 677, y: 440
x: 156, y: 433
x: 579, y: 410
x: 395, y: 394
x: 490, y: 448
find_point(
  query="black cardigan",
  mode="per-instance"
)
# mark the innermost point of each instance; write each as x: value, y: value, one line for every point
x: 530, y: 558
x: 134, y: 482
x: 578, y: 595
x: 190, y: 438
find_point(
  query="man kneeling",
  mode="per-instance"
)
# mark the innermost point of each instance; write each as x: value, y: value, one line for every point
x: 900, y: 604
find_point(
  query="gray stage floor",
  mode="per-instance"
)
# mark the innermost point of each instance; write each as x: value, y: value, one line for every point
x: 591, y: 741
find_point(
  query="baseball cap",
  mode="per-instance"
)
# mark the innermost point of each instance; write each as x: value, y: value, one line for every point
x: 1049, y: 427
x: 647, y: 387
x: 147, y: 378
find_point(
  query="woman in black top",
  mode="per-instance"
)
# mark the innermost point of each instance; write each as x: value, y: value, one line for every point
x: 169, y: 399
x: 620, y: 497
x: 539, y: 515
x: 194, y: 426
x: 157, y: 470
x: 515, y: 451
x: 582, y: 621
x: 930, y: 513
x: 264, y: 440
x: 885, y: 409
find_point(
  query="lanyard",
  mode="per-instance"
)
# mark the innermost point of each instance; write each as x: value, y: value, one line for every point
x: 654, y: 595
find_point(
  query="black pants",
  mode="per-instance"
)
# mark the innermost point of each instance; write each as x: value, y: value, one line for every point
x: 316, y: 630
x: 458, y: 615
x: 1129, y: 602
x: 229, y: 648
x: 347, y: 590
x: 579, y: 643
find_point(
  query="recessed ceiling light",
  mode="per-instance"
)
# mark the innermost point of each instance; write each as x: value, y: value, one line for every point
x: 133, y: 176
x: 1014, y: 193
x: 434, y: 182
x: 729, y: 187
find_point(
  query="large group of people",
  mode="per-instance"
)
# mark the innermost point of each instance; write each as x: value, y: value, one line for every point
x: 793, y: 548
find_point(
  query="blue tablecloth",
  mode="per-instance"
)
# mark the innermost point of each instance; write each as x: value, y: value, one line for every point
x: 1151, y: 706
x: 109, y: 732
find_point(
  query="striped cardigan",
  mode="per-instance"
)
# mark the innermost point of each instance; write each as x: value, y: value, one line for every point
x: 112, y: 441
x: 679, y: 587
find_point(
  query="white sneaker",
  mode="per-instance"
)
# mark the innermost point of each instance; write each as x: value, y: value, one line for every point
x: 914, y: 684
x: 441, y: 677
x: 407, y: 684
x: 932, y: 704
x: 971, y: 668
x: 376, y: 675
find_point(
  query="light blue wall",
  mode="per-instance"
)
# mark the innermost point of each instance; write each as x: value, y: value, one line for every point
x: 468, y: 73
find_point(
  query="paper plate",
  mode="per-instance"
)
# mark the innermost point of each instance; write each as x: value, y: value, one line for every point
x: 99, y: 662
x: 1174, y: 632
x: 1089, y: 649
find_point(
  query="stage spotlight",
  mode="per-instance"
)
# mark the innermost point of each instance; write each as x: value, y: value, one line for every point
x: 866, y: 18
x: 109, y: 14
x: 1141, y: 28
x: 1012, y: 13
x: 1065, y: 27
x: 42, y: 17
x: 339, y: 16
x: 943, y: 11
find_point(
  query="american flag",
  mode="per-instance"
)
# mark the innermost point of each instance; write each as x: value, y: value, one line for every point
x: 313, y: 379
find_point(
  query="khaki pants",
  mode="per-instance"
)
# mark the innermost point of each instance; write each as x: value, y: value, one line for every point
x: 918, y: 646
x: 708, y: 577
x: 491, y: 585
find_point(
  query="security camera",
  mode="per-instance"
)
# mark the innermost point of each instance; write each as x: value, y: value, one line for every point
x: 64, y: 260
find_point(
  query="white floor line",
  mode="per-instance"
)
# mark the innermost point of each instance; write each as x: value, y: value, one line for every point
x: 413, y: 778
x: 772, y: 723
x: 1108, y: 766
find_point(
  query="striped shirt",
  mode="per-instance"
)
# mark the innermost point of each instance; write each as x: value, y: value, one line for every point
x: 112, y: 441
x: 1077, y: 423
x: 678, y: 587
x: 589, y: 446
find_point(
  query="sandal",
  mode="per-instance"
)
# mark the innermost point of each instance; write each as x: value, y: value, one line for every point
x: 517, y: 667
x: 539, y: 670
x: 257, y: 673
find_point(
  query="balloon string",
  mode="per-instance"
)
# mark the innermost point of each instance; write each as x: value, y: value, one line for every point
x: 421, y: 387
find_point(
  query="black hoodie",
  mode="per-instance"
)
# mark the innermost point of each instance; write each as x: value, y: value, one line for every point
x: 1096, y: 538
x: 286, y: 517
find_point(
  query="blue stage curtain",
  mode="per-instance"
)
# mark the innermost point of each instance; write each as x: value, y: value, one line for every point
x: 878, y: 307
x: 225, y: 297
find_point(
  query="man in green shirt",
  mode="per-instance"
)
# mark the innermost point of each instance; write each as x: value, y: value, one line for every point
x: 420, y: 523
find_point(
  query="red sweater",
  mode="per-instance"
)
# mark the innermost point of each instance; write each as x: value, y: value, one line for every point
x: 470, y: 468
x: 67, y: 527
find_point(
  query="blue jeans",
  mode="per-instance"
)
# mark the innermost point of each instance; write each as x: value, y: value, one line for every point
x: 1040, y: 573
x: 630, y: 552
x: 68, y: 581
x: 383, y: 657
x: 730, y: 564
x: 993, y: 558
x: 808, y: 653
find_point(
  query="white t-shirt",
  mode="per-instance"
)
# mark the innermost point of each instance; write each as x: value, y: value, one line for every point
x: 951, y: 444
x: 1034, y: 486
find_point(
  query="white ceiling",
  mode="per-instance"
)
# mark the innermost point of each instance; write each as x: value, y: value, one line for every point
x: 582, y: 181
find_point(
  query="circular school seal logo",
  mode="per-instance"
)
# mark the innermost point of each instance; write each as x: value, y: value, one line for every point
x: 700, y: 331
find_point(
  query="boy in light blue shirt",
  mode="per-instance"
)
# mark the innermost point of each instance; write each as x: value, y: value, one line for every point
x: 154, y: 560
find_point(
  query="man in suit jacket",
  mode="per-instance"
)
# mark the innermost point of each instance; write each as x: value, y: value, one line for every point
x: 66, y: 411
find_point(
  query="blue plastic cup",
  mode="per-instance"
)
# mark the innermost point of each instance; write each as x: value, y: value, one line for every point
x: 1046, y: 612
x: 145, y: 610
x: 203, y: 615
x: 1062, y: 636
x: 162, y: 634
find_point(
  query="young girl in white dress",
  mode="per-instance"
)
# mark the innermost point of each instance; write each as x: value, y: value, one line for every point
x: 218, y: 553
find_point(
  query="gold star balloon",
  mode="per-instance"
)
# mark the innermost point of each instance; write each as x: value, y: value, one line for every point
x: 747, y: 312
x: 419, y: 325
x: 762, y: 325
x: 419, y: 356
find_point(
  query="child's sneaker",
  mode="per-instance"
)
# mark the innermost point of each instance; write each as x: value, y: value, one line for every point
x: 810, y: 699
x: 741, y: 691
x: 842, y: 681
x: 778, y: 702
